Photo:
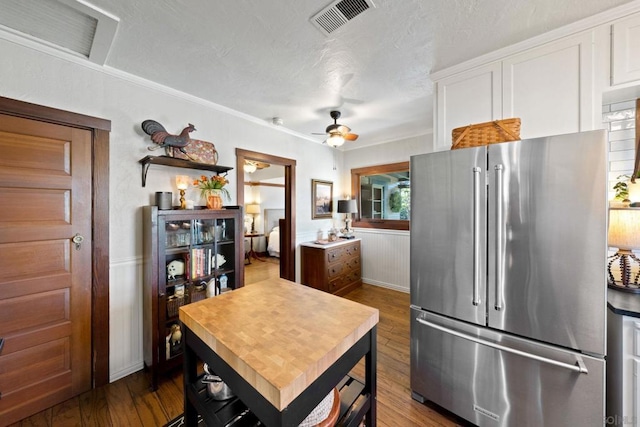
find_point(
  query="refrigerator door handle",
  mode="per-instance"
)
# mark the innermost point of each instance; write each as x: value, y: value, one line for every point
x: 499, y: 227
x: 476, y: 235
x: 579, y: 367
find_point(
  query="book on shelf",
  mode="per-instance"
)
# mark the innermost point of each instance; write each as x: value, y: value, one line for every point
x: 201, y: 264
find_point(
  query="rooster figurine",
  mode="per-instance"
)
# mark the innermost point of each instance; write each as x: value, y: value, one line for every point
x: 164, y: 139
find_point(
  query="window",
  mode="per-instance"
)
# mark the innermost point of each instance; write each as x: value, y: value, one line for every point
x: 384, y: 196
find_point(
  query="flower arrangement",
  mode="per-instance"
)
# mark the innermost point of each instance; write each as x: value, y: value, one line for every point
x: 216, y: 182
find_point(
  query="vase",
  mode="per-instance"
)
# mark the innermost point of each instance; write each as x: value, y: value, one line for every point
x: 214, y: 199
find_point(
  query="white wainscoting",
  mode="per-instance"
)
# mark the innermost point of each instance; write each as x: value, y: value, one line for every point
x: 385, y: 262
x: 125, y: 318
x: 385, y: 258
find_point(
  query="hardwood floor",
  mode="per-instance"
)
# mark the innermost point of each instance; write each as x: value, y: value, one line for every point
x: 129, y: 401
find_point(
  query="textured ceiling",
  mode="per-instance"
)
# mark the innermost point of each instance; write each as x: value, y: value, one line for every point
x: 265, y: 59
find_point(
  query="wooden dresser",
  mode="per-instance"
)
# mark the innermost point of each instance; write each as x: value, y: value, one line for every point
x: 332, y: 267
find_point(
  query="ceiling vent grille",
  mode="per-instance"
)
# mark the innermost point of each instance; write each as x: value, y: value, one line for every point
x: 339, y: 13
x: 73, y: 26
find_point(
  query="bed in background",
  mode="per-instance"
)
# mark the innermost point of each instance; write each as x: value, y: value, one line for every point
x: 272, y: 230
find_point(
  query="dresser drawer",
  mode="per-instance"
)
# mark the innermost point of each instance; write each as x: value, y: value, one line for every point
x: 353, y: 250
x: 335, y: 269
x: 352, y: 264
x: 344, y: 280
x: 337, y: 283
x: 335, y: 255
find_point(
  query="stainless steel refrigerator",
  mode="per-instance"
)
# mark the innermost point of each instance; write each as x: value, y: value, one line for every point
x: 508, y: 281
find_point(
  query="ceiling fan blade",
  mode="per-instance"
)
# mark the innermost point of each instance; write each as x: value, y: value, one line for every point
x: 350, y: 136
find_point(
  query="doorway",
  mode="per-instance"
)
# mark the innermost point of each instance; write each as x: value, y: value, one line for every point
x: 287, y: 233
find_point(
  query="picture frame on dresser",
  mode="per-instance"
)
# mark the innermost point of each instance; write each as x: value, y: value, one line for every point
x: 321, y: 199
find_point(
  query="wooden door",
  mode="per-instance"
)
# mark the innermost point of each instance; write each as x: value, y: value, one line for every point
x: 45, y: 281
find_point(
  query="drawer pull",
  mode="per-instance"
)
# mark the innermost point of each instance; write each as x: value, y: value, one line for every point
x: 579, y: 366
x: 1, y: 344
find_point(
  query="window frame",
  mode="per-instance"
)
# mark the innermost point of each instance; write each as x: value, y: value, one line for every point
x: 356, y: 174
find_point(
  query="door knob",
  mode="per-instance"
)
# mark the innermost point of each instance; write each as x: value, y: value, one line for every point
x: 77, y: 239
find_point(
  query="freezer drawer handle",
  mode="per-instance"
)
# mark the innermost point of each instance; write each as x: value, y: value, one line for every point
x: 476, y: 235
x: 578, y: 367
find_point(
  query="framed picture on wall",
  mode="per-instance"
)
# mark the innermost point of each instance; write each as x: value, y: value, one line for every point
x: 321, y: 199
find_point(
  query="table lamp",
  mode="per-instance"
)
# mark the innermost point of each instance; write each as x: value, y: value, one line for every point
x: 347, y: 207
x: 253, y: 209
x: 182, y: 182
x: 624, y: 234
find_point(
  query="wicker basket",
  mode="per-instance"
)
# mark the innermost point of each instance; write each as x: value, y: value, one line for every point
x: 198, y: 294
x: 479, y: 134
x: 173, y: 304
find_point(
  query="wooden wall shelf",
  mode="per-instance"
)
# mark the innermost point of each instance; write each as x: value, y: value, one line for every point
x: 177, y: 163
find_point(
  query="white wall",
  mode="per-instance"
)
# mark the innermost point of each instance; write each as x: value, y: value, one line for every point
x: 385, y: 253
x: 48, y: 78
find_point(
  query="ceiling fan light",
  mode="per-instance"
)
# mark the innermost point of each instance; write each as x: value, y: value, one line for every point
x: 250, y: 167
x: 335, y: 140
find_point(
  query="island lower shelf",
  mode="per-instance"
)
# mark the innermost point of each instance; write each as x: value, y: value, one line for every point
x: 354, y: 403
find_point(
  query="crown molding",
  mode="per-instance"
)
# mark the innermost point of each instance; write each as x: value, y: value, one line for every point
x: 72, y: 57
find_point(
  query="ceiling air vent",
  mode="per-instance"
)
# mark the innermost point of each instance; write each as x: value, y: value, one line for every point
x: 73, y: 26
x: 339, y: 13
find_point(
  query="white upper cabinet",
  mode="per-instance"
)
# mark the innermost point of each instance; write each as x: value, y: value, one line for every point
x: 550, y: 88
x: 469, y: 97
x: 625, y: 50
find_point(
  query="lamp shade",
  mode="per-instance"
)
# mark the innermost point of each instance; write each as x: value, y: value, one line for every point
x: 347, y: 206
x: 182, y: 182
x: 253, y: 208
x: 335, y: 140
x: 624, y: 228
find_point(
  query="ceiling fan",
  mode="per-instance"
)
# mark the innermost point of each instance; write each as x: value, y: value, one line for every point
x: 337, y: 133
x: 250, y: 166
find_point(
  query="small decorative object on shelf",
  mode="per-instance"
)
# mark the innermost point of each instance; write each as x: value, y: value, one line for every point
x: 164, y: 139
x: 212, y: 289
x: 175, y: 268
x: 182, y: 182
x: 199, y: 151
x: 214, y: 199
x: 213, y: 190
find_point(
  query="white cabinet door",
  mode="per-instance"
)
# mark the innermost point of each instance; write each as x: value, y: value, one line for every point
x: 625, y: 50
x: 550, y: 88
x: 470, y: 97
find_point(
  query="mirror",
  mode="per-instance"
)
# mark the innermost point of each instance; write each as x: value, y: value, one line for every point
x: 384, y: 196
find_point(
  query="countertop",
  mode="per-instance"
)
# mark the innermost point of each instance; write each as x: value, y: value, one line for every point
x: 278, y: 335
x: 623, y: 303
x: 338, y: 242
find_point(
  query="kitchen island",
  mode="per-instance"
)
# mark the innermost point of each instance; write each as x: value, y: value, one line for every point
x: 281, y: 347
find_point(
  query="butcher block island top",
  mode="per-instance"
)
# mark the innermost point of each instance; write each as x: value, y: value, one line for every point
x: 277, y: 335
